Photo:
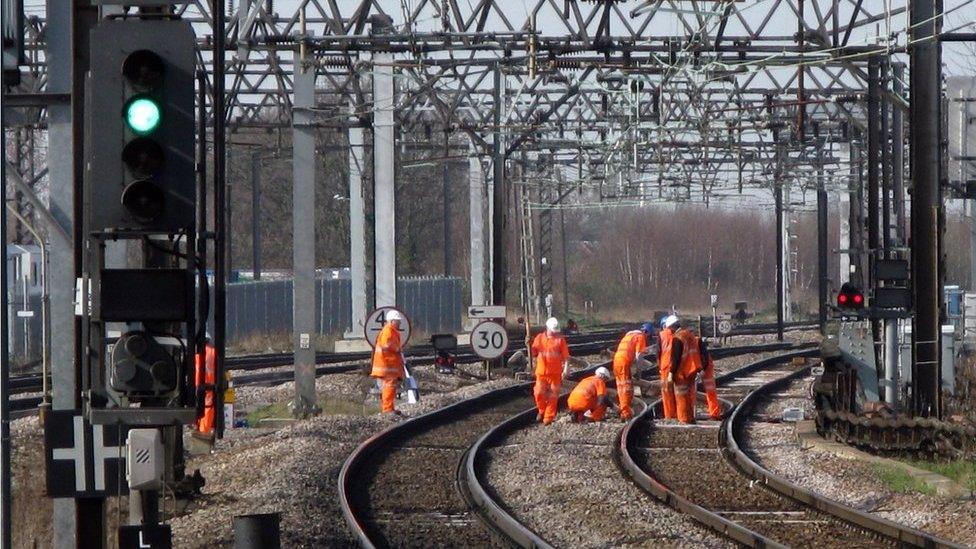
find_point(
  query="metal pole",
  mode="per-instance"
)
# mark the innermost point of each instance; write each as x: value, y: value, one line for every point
x: 446, y: 213
x: 6, y: 529
x: 90, y: 512
x: 500, y: 209
x: 256, y: 215
x: 898, y: 155
x: 891, y: 362
x: 562, y: 233
x: 357, y: 230
x: 303, y: 241
x: 924, y: 119
x: 874, y: 185
x: 821, y: 249
x: 476, y: 227
x: 886, y: 228
x: 220, y: 208
x: 874, y: 152
x: 384, y: 205
x: 780, y: 279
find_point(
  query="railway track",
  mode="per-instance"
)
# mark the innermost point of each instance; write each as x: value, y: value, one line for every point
x: 328, y: 363
x: 683, y: 466
x: 413, y: 483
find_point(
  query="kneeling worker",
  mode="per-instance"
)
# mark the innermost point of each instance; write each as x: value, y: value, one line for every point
x: 589, y: 398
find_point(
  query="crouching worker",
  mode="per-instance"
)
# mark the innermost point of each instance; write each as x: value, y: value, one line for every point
x: 589, y: 398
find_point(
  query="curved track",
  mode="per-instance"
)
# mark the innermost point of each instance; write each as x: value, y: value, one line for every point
x: 413, y: 483
x: 683, y: 467
x: 400, y: 487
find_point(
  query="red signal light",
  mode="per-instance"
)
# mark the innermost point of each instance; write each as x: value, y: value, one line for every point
x: 850, y: 297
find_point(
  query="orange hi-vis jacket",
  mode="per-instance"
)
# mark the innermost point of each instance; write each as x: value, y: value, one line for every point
x: 690, y: 363
x: 551, y: 352
x: 387, y: 360
x: 205, y: 380
x: 586, y: 395
x: 632, y: 343
x: 664, y: 351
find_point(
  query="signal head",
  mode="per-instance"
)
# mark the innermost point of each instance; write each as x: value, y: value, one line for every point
x: 144, y: 70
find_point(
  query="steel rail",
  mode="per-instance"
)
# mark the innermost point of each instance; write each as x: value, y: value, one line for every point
x: 626, y: 462
x: 493, y: 512
x: 360, y: 456
x: 736, y: 456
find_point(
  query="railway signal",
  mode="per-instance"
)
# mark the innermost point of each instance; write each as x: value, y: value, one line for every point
x: 850, y: 298
x: 141, y: 144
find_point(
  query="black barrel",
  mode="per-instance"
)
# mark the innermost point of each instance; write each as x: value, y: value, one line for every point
x: 257, y: 531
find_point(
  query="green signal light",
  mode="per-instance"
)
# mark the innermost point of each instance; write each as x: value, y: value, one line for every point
x: 142, y: 115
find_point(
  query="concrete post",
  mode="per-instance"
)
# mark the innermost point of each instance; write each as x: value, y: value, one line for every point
x: 384, y: 200
x: 303, y: 241
x: 357, y: 231
x: 256, y: 215
x: 61, y: 275
x: 476, y: 198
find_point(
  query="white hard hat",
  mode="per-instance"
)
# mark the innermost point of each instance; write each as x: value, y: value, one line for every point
x: 671, y: 320
x: 603, y: 372
x: 552, y: 324
x: 393, y: 315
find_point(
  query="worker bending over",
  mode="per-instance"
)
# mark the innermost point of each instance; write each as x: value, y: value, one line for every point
x: 630, y: 347
x: 708, y: 380
x: 682, y: 368
x: 552, y: 363
x: 589, y: 399
x: 668, y: 326
x: 388, y: 360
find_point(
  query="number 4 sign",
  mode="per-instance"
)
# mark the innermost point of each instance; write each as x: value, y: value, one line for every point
x: 489, y: 340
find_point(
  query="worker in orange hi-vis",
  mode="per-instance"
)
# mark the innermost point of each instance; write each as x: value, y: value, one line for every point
x: 708, y: 380
x: 630, y: 347
x: 205, y: 381
x: 589, y: 400
x: 684, y: 366
x: 388, y: 360
x: 552, y: 363
x: 668, y: 326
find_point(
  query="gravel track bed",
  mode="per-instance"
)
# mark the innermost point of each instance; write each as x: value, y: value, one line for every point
x: 561, y: 482
x: 776, y: 447
x: 410, y: 496
x: 687, y: 460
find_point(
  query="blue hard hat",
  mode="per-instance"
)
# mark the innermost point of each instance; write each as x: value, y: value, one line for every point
x: 647, y: 328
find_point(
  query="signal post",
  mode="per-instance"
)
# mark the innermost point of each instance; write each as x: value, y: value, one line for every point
x: 139, y: 188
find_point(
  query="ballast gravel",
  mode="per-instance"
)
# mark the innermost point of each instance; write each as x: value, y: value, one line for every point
x: 561, y: 481
x: 775, y: 446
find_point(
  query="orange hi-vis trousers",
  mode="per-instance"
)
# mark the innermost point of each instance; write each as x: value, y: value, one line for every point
x: 546, y: 393
x: 684, y: 393
x: 596, y: 411
x: 388, y: 392
x: 668, y: 400
x: 711, y: 395
x: 625, y: 386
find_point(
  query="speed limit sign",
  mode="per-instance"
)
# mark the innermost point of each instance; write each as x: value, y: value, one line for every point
x: 489, y: 340
x: 725, y: 327
x: 376, y: 320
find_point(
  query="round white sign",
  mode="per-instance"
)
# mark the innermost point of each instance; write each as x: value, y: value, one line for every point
x: 489, y: 340
x: 725, y: 327
x: 376, y: 320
